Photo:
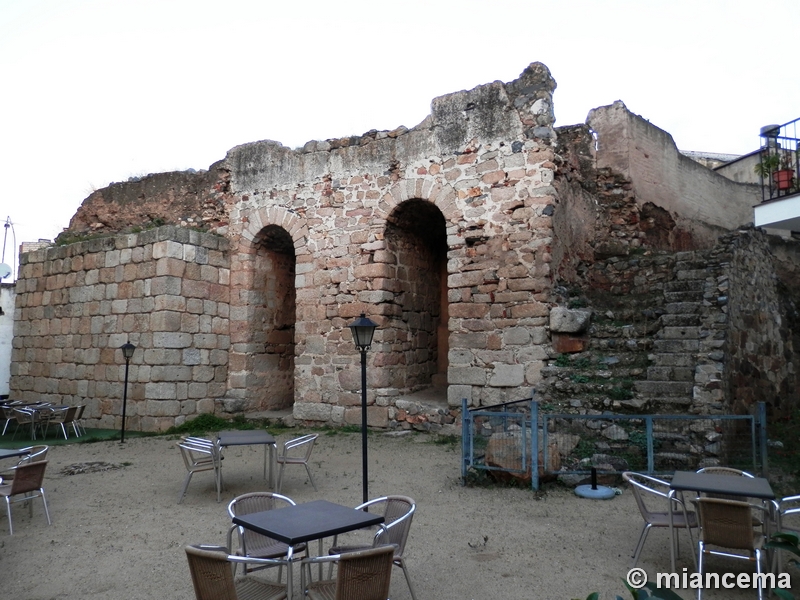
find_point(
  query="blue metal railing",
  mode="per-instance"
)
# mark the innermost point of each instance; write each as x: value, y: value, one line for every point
x: 741, y: 440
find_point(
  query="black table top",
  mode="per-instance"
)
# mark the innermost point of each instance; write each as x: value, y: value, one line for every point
x: 10, y: 453
x: 731, y: 485
x: 310, y: 521
x: 245, y: 437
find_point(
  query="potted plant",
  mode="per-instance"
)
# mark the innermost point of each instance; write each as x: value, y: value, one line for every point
x: 779, y: 166
x: 767, y: 165
x: 784, y: 175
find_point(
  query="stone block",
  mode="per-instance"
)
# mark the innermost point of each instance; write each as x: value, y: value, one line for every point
x: 532, y: 309
x: 161, y: 391
x: 507, y: 376
x: 171, y: 340
x: 565, y: 320
x: 565, y: 343
x: 466, y: 376
x: 466, y: 310
x: 306, y: 411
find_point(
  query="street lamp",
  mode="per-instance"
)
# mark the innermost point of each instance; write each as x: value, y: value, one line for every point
x: 127, y: 351
x: 363, y: 329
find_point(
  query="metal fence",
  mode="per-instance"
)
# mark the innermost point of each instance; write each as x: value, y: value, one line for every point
x: 499, y: 440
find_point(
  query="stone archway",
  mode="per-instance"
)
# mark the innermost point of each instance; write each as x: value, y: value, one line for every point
x: 416, y: 242
x: 272, y: 320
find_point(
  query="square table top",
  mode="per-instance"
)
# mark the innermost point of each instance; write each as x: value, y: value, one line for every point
x: 245, y: 437
x: 751, y: 487
x: 309, y: 521
x: 13, y: 452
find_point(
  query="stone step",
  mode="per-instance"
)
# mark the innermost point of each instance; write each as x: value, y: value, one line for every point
x: 672, y: 360
x: 689, y: 296
x: 692, y: 274
x: 679, y: 333
x: 683, y: 308
x: 680, y: 320
x: 675, y: 346
x: 660, y: 389
x: 685, y: 285
x: 690, y: 260
x: 661, y: 373
x: 664, y: 404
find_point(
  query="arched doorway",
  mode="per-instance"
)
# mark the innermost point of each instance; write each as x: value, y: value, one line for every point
x: 417, y: 240
x: 270, y: 375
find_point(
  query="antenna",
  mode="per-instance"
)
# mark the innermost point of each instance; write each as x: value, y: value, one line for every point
x: 5, y: 270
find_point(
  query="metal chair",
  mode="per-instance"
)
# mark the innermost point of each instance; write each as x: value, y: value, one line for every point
x: 34, y: 454
x: 6, y: 413
x: 26, y: 417
x: 786, y: 521
x: 297, y: 452
x: 398, y: 511
x: 77, y: 422
x: 61, y: 417
x: 731, y: 472
x: 254, y: 544
x: 360, y: 575
x: 728, y: 524
x: 213, y: 578
x: 644, y: 487
x: 24, y: 487
x: 200, y: 454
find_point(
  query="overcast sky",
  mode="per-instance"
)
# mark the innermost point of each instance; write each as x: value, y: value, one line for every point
x: 96, y: 91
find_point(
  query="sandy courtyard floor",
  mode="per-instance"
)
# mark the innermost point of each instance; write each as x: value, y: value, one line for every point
x: 120, y: 533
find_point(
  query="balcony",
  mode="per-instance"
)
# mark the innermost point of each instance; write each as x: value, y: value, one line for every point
x: 777, y: 169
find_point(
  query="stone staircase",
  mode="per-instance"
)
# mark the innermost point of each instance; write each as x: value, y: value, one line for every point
x: 670, y: 377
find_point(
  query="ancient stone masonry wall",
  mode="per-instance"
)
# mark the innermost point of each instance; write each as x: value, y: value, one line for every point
x: 700, y: 204
x: 186, y: 198
x: 457, y: 236
x: 165, y: 290
x: 760, y: 349
x: 450, y: 218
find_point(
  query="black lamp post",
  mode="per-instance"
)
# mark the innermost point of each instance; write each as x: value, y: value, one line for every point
x: 363, y: 329
x: 127, y: 351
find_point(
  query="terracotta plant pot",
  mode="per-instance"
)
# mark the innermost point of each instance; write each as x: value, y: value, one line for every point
x: 783, y: 179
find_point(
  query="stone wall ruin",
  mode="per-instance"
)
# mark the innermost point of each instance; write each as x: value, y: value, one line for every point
x: 458, y: 237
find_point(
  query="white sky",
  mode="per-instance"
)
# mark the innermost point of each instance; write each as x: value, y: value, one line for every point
x: 96, y: 91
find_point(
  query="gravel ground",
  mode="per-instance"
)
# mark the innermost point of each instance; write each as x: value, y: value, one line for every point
x: 119, y: 532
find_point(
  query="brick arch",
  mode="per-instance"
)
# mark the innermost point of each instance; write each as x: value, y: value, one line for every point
x: 443, y: 196
x: 261, y: 370
x: 294, y: 224
x: 416, y: 243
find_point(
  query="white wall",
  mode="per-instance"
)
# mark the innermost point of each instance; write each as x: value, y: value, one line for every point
x: 7, y: 296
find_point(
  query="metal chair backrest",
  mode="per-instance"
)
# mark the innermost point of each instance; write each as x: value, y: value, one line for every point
x: 35, y: 454
x: 725, y: 471
x: 251, y: 503
x: 291, y: 445
x: 398, y: 513
x: 365, y: 574
x: 28, y: 478
x: 726, y: 523
x: 642, y: 485
x: 211, y: 573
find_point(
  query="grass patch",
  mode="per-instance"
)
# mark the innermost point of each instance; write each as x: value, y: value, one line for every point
x: 55, y: 438
x: 344, y: 429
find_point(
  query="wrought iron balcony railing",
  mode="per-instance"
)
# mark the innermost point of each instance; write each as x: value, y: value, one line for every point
x: 779, y: 162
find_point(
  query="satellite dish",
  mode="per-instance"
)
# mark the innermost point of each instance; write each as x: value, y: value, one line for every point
x: 5, y: 270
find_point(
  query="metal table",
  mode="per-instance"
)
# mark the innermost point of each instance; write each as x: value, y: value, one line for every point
x: 252, y: 438
x: 13, y: 452
x: 729, y: 485
x: 305, y: 522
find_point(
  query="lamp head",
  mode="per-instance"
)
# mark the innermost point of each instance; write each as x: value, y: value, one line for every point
x: 127, y: 350
x: 363, y: 329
